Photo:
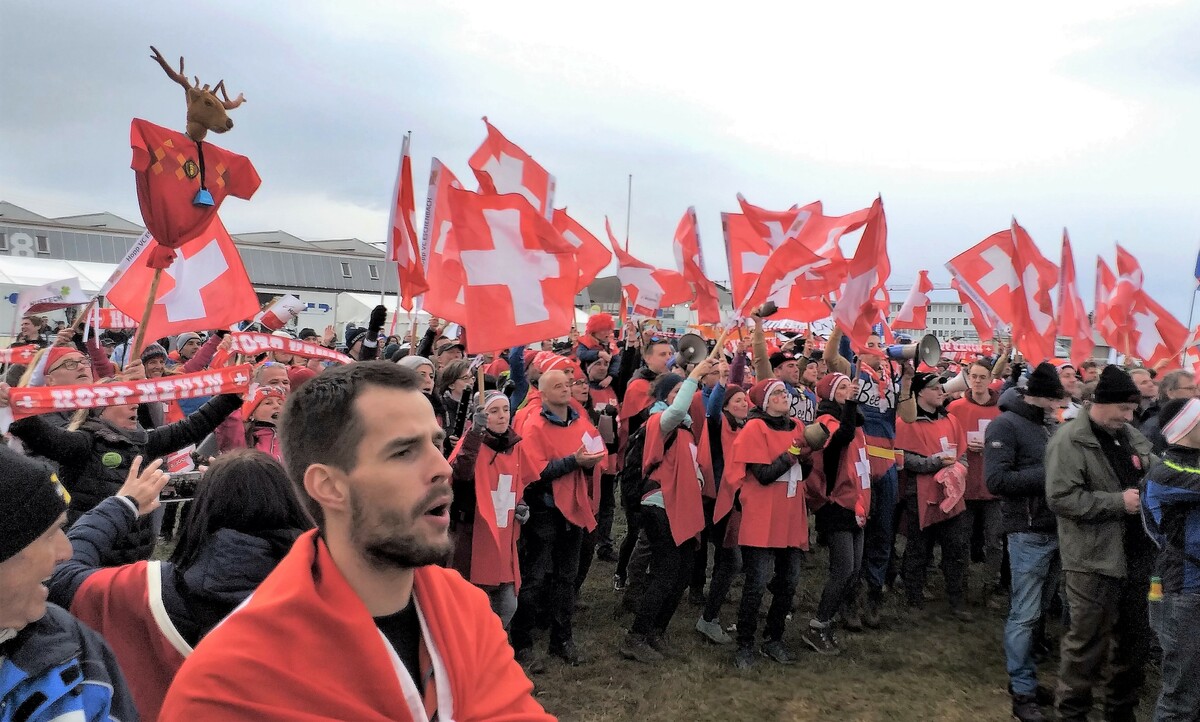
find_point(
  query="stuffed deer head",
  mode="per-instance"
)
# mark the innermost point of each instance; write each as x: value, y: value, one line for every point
x: 205, y: 111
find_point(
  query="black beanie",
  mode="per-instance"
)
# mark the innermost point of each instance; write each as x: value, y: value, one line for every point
x: 1044, y: 382
x: 1115, y: 387
x: 921, y: 380
x: 664, y: 385
x: 31, y: 500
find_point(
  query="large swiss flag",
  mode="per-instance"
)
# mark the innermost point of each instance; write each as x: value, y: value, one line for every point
x: 501, y: 166
x: 206, y: 287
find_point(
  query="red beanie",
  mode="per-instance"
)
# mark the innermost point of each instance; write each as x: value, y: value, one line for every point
x: 298, y: 375
x: 731, y: 391
x: 256, y: 396
x: 829, y: 383
x: 57, y: 354
x: 759, y: 391
x: 599, y: 323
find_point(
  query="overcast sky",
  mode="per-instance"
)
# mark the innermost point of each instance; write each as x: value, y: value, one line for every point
x: 1076, y: 114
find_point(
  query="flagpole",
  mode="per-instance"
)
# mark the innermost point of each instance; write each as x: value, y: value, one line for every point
x: 141, y: 332
x: 628, y: 207
x: 1192, y: 309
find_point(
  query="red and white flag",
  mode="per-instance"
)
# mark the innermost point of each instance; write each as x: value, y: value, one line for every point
x: 501, y: 166
x: 647, y: 288
x: 590, y: 253
x: 689, y: 257
x: 1191, y: 352
x: 402, y: 246
x: 773, y: 226
x: 252, y: 344
x: 1126, y: 289
x: 864, y: 301
x: 51, y: 296
x: 1034, y: 331
x: 985, y: 324
x: 143, y: 242
x: 912, y: 313
x: 1072, y: 316
x: 1102, y: 320
x: 746, y: 251
x: 206, y: 287
x: 439, y: 248
x: 1154, y: 335
x: 280, y: 313
x: 519, y: 274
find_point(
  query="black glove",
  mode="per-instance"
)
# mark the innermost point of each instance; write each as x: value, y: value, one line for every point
x: 1018, y: 369
x: 521, y: 512
x: 378, y: 316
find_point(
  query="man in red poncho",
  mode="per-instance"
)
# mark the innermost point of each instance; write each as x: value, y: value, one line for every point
x: 358, y: 622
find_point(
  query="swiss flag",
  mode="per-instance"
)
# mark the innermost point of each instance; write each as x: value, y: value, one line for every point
x: 1126, y: 289
x: 206, y: 287
x: 808, y: 224
x: 444, y: 299
x: 590, y: 252
x: 1034, y: 329
x: 1154, y: 335
x: 1106, y: 283
x: 1072, y: 316
x: 912, y: 313
x: 1191, y: 355
x: 746, y: 251
x: 689, y: 255
x: 773, y: 226
x: 985, y: 325
x: 501, y: 166
x: 518, y: 273
x: 647, y: 288
x: 863, y: 300
x: 402, y: 248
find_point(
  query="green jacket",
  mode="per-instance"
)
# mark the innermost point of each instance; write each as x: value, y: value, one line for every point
x: 1084, y: 493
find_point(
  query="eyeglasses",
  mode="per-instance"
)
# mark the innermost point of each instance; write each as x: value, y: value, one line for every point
x: 579, y: 383
x: 72, y: 364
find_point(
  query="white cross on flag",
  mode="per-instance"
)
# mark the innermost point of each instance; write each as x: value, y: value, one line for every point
x: 864, y: 300
x: 1072, y: 316
x: 1154, y: 335
x: 591, y: 254
x: 439, y: 248
x: 647, y: 288
x: 1124, y: 292
x: 689, y: 256
x: 206, y: 287
x: 501, y: 166
x: 1106, y: 281
x: 912, y: 313
x: 519, y: 274
x: 402, y: 246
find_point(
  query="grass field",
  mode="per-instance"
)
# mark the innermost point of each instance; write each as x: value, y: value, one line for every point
x: 919, y: 667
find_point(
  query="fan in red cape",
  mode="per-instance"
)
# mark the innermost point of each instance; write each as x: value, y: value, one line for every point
x: 928, y: 438
x: 675, y: 470
x: 546, y: 441
x: 498, y: 472
x: 973, y: 416
x: 851, y: 487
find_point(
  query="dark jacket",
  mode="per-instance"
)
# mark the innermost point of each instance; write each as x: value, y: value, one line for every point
x: 229, y: 567
x: 1014, y: 458
x: 56, y: 668
x: 833, y: 517
x: 82, y: 455
x: 1084, y: 491
x: 1171, y: 512
x: 1152, y: 430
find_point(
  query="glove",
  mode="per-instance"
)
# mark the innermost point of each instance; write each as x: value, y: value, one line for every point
x: 479, y: 420
x: 521, y: 512
x: 378, y: 316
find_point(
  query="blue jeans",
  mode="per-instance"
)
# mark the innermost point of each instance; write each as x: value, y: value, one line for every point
x: 880, y: 532
x: 1174, y: 620
x: 1033, y: 557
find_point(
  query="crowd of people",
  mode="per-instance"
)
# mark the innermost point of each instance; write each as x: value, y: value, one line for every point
x: 387, y: 538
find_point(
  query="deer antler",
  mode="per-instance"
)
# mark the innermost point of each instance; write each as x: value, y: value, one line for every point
x: 178, y: 77
x: 229, y: 104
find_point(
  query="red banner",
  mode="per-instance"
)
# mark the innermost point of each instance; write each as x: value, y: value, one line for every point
x: 112, y: 318
x: 31, y: 401
x: 960, y: 351
x: 253, y: 344
x: 18, y: 355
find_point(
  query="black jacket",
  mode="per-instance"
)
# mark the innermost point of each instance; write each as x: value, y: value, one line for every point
x: 1014, y: 457
x: 229, y: 567
x: 832, y: 517
x: 95, y: 460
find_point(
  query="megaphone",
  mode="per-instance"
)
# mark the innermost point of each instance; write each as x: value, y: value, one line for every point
x: 692, y: 350
x: 956, y: 384
x: 928, y: 350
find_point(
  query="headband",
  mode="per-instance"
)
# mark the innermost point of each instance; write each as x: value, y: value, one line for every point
x: 1183, y: 423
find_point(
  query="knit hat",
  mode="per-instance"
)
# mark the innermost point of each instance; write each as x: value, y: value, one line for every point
x: 829, y: 384
x: 353, y: 335
x: 31, y: 500
x: 390, y: 351
x: 665, y: 384
x: 55, y: 354
x: 491, y: 397
x: 183, y: 338
x: 415, y: 362
x: 307, y: 333
x: 763, y: 389
x: 922, y: 380
x: 731, y: 392
x: 779, y: 358
x: 1177, y: 418
x: 257, y: 395
x: 300, y: 375
x: 530, y: 357
x: 548, y: 361
x: 1115, y: 387
x: 599, y: 323
x: 1044, y: 382
x: 153, y: 351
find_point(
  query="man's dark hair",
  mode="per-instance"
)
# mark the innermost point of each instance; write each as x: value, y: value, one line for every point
x: 660, y: 340
x: 246, y: 491
x: 319, y: 424
x: 1090, y: 364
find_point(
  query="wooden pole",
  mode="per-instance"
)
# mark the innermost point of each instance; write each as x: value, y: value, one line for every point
x: 628, y: 208
x: 141, y: 332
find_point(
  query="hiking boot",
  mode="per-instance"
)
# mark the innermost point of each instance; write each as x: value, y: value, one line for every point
x: 743, y: 658
x: 778, y: 651
x: 638, y: 649
x: 618, y: 583
x: 696, y: 597
x: 661, y: 643
x: 569, y: 653
x: 1025, y: 708
x: 529, y: 660
x: 712, y: 631
x: 606, y: 554
x: 870, y: 617
x: 821, y: 641
x: 851, y: 620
